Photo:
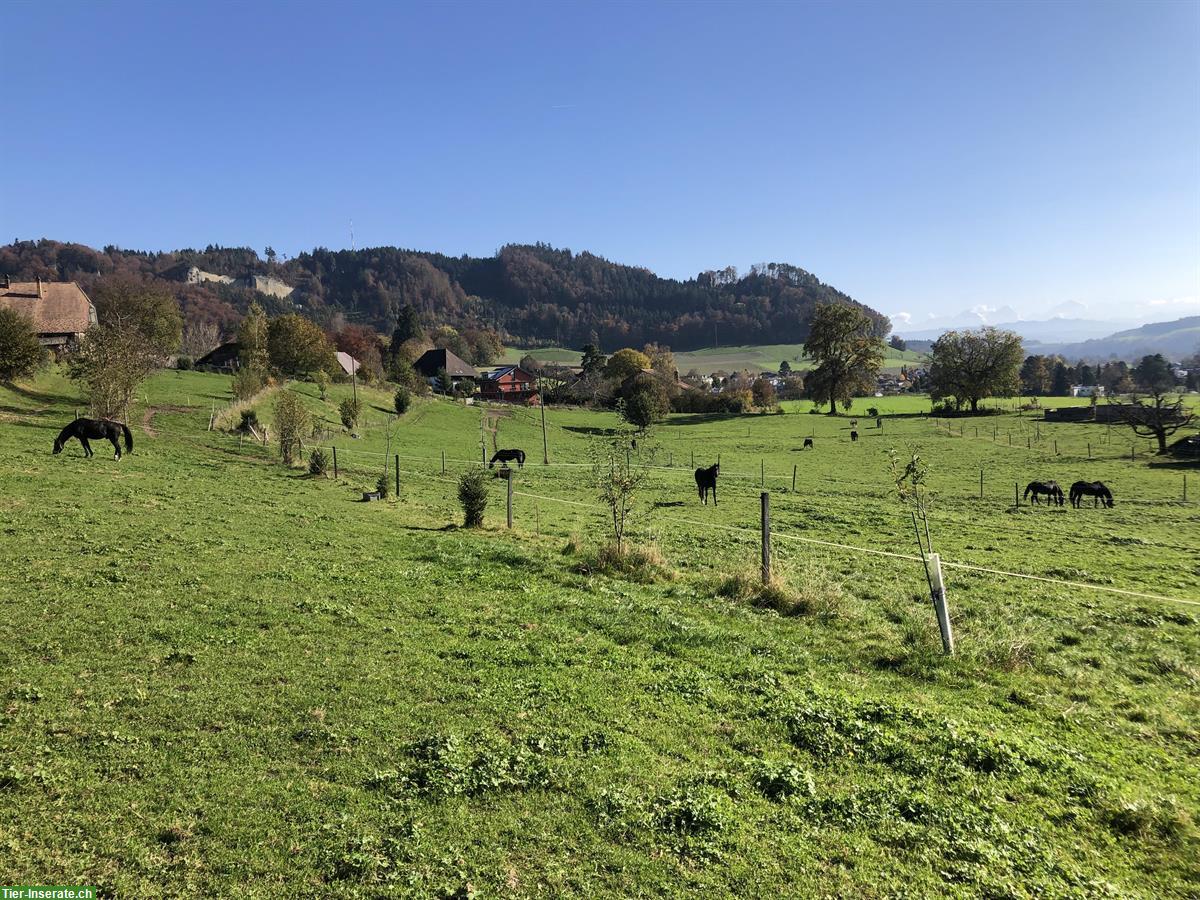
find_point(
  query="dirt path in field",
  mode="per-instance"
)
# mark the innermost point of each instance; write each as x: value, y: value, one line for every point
x: 152, y: 411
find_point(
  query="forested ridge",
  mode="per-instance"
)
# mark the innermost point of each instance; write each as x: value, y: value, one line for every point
x: 534, y: 294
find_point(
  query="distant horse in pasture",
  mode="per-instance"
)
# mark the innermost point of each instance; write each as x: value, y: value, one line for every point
x: 505, y: 456
x: 1053, y: 492
x: 1094, y: 489
x: 95, y: 429
x: 854, y: 436
x: 706, y: 480
x: 808, y: 444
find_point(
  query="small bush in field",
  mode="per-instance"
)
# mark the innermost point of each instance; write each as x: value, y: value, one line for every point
x: 472, y: 494
x: 382, y: 486
x: 247, y: 382
x: 322, y: 381
x: 350, y: 409
x: 183, y: 364
x: 249, y: 421
x: 318, y: 462
x: 402, y: 400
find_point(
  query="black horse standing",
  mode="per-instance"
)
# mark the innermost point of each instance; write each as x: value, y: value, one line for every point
x: 1094, y: 489
x: 95, y: 429
x: 504, y: 456
x: 1051, y: 489
x: 706, y: 480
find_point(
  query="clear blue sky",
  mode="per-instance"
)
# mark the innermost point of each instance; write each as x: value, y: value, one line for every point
x: 925, y: 158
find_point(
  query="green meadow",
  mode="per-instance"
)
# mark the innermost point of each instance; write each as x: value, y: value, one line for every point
x: 757, y: 358
x: 222, y: 676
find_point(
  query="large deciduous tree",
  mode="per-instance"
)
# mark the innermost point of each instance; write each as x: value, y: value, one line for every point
x: 1152, y: 413
x: 625, y: 364
x: 842, y: 342
x: 253, y: 352
x: 971, y: 365
x: 1035, y: 376
x: 20, y: 351
x: 297, y: 346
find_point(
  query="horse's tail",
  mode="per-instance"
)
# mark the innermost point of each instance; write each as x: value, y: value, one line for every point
x: 521, y: 457
x: 128, y: 438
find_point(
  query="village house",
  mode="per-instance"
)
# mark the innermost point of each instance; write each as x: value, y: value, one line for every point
x: 59, y: 310
x: 437, y: 360
x: 508, y: 384
x: 1087, y: 390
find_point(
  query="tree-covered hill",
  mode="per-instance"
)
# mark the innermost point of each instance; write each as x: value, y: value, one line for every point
x: 534, y: 293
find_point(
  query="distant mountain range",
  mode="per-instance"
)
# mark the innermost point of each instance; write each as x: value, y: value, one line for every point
x: 1076, y: 339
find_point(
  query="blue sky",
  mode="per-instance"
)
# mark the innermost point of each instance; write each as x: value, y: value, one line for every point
x: 926, y: 158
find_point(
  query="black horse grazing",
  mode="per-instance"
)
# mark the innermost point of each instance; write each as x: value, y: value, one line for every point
x: 94, y: 429
x: 1051, y: 489
x: 504, y: 456
x: 808, y: 444
x: 1094, y: 489
x: 706, y: 480
x: 854, y: 435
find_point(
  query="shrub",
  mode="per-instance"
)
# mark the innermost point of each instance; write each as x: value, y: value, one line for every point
x: 873, y: 412
x: 402, y: 400
x: 292, y: 422
x: 381, y: 485
x: 183, y: 363
x: 248, y: 381
x: 20, y: 351
x: 249, y: 422
x: 318, y: 462
x: 349, y: 410
x: 472, y: 494
x: 321, y: 378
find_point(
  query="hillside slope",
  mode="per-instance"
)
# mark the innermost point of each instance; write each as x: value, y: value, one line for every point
x: 536, y: 293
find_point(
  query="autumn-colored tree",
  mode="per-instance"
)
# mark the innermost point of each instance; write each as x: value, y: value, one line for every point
x: 253, y: 352
x: 296, y: 346
x: 625, y: 363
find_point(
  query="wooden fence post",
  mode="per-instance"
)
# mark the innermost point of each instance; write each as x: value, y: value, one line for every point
x: 1016, y: 493
x: 1131, y: 449
x: 545, y: 446
x: 397, y: 476
x: 335, y: 475
x: 940, y: 607
x: 981, y: 484
x: 693, y: 459
x: 766, y: 537
x: 1056, y: 448
x: 794, y: 482
x: 671, y: 459
x: 509, y: 480
x: 762, y: 473
x: 1185, y: 487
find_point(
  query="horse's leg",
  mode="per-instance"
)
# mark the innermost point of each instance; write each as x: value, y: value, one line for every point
x: 87, y: 448
x: 714, y: 493
x: 116, y: 446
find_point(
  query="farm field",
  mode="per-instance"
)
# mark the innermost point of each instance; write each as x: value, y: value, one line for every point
x: 757, y: 358
x: 221, y: 676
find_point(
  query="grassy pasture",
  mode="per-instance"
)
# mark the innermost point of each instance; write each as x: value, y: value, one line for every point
x: 224, y: 677
x: 755, y: 358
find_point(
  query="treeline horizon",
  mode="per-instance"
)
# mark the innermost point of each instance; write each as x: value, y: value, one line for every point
x: 534, y: 295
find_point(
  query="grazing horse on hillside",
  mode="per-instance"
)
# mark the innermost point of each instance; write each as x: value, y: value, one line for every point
x: 95, y: 429
x: 1094, y: 489
x: 706, y: 480
x: 854, y: 436
x: 1051, y: 489
x: 808, y: 444
x: 504, y: 456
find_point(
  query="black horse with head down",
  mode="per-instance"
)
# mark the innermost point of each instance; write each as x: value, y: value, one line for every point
x: 506, y: 456
x: 1053, y: 492
x: 706, y: 480
x: 95, y: 429
x: 1094, y: 489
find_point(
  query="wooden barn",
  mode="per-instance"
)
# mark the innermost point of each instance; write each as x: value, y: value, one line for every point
x: 222, y: 359
x: 509, y: 384
x: 440, y: 360
x: 59, y: 310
